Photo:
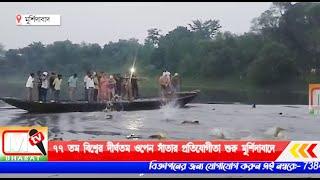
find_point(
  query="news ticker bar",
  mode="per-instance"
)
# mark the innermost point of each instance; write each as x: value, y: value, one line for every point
x: 15, y: 149
x: 25, y: 144
x: 171, y: 150
x: 161, y: 167
x: 165, y: 150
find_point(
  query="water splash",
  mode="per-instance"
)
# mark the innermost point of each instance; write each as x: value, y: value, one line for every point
x: 218, y: 133
x: 134, y: 125
x: 169, y: 110
x: 276, y: 133
x: 249, y: 138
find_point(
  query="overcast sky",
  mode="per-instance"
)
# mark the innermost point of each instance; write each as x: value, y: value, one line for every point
x: 101, y: 22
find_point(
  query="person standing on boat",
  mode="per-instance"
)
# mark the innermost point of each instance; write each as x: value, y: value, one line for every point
x: 44, y: 86
x: 29, y: 86
x: 125, y: 86
x: 72, y: 85
x: 39, y: 83
x: 118, y: 84
x: 90, y: 88
x: 128, y: 86
x: 85, y: 80
x: 176, y: 83
x: 168, y: 90
x: 112, y: 85
x: 162, y: 83
x: 57, y: 86
x: 52, y: 77
x: 104, y: 88
x: 134, y: 84
x: 96, y: 87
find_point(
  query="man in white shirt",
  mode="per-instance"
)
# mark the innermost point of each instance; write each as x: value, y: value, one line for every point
x: 85, y: 79
x: 44, y: 86
x: 90, y: 88
x: 72, y: 84
x: 29, y: 86
x: 57, y: 86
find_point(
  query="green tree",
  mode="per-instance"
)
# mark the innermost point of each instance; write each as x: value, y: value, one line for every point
x: 2, y: 51
x: 284, y: 40
x: 153, y: 37
x: 206, y: 29
x: 299, y: 30
x: 218, y: 55
x: 118, y: 56
x: 281, y: 7
x: 274, y: 64
x: 172, y: 48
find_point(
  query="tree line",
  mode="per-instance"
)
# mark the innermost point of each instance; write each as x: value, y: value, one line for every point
x: 283, y: 45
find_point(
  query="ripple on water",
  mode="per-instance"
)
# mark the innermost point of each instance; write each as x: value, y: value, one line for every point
x: 292, y: 106
x: 97, y: 133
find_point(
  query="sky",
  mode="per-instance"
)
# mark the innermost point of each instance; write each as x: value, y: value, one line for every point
x: 102, y: 22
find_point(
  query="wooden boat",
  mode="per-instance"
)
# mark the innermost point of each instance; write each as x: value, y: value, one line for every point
x: 182, y: 98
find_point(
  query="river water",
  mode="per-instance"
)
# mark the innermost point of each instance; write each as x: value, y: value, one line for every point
x: 216, y: 121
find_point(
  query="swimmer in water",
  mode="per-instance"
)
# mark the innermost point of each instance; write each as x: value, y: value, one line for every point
x: 278, y: 131
x: 133, y: 136
x: 157, y: 136
x: 190, y: 122
x: 109, y: 116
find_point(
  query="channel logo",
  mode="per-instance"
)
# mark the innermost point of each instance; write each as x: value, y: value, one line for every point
x: 24, y: 143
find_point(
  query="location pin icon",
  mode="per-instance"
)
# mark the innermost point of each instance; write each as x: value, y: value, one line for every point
x: 18, y: 17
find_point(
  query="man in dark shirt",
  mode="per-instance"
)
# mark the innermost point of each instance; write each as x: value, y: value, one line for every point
x: 51, y: 86
x: 118, y: 84
x: 39, y: 83
x: 134, y: 85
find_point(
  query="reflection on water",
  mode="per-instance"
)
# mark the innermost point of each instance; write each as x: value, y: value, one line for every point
x: 214, y: 121
x: 134, y: 124
x: 250, y: 97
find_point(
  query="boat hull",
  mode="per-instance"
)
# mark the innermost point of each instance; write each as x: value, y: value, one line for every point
x: 82, y: 106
